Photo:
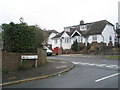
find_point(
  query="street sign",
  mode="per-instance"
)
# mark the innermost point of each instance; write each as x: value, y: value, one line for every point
x: 29, y: 57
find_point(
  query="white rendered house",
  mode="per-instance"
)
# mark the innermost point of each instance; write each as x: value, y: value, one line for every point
x: 99, y: 31
x: 50, y: 35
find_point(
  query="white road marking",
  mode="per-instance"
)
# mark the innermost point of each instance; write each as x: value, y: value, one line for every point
x: 114, y: 65
x: 80, y: 63
x: 117, y: 67
x: 110, y: 66
x: 98, y: 80
x: 75, y: 62
x: 101, y: 65
x: 85, y: 63
x: 98, y: 65
x: 92, y: 64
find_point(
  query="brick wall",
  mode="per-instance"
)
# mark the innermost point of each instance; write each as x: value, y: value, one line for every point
x: 12, y: 61
x: 42, y: 56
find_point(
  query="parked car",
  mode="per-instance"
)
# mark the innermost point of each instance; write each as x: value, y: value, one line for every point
x: 49, y: 52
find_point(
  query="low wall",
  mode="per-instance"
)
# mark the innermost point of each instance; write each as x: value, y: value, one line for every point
x: 42, y: 57
x: 12, y: 61
x: 94, y: 48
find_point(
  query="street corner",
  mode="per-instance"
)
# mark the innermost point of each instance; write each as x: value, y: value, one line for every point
x: 63, y: 66
x: 59, y: 69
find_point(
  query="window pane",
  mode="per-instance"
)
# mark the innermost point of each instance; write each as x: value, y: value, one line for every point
x: 94, y: 37
x: 110, y: 38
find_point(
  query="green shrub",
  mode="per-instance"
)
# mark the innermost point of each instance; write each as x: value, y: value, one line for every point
x: 81, y: 47
x: 74, y: 46
x: 21, y: 37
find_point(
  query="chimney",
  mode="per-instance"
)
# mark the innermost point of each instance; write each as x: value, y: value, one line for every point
x: 81, y: 22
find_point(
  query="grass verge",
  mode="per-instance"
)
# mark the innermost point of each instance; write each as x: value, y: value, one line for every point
x: 54, y: 60
x: 113, y: 57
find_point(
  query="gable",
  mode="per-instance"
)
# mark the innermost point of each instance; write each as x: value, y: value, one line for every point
x: 75, y: 33
x: 109, y: 30
x: 64, y: 35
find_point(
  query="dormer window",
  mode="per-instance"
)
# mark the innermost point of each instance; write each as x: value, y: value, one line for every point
x: 67, y: 29
x: 83, y: 27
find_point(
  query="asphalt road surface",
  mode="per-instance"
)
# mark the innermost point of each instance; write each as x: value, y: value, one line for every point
x: 90, y: 72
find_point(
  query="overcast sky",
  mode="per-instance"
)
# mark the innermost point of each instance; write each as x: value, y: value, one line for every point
x: 57, y: 14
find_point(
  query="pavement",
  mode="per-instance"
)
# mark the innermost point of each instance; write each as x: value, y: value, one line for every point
x: 52, y: 68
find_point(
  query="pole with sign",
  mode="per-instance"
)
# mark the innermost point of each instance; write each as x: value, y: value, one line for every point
x: 30, y: 57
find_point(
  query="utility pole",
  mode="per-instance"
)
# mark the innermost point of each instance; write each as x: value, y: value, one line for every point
x: 119, y: 25
x: 119, y: 14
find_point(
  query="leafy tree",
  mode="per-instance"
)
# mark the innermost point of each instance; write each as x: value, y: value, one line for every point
x: 39, y: 37
x: 74, y: 46
x: 20, y: 38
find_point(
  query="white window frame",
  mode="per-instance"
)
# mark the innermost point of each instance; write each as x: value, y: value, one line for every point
x: 83, y: 27
x: 94, y: 38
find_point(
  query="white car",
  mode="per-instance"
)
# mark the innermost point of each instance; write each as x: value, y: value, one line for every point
x: 49, y: 52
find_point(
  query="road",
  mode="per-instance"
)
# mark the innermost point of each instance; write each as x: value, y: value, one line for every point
x: 90, y: 72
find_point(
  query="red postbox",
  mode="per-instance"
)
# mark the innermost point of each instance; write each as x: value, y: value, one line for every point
x: 56, y: 50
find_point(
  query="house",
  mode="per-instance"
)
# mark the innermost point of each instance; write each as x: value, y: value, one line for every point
x: 50, y: 34
x: 94, y: 32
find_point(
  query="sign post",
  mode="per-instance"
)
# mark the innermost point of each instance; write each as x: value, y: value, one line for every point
x: 29, y: 57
